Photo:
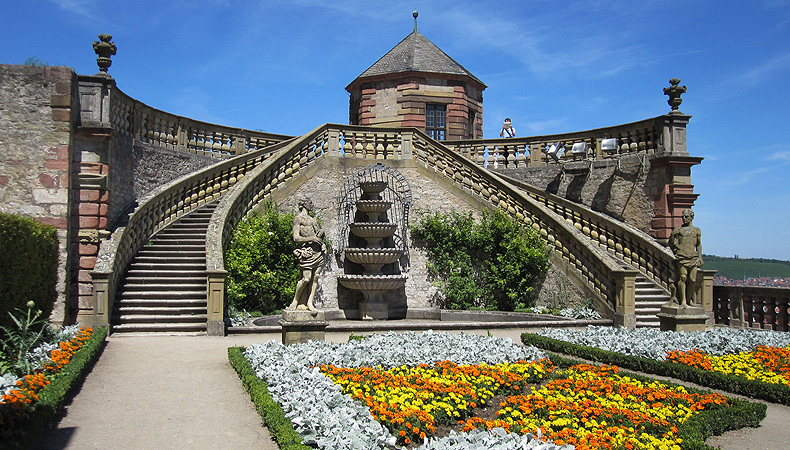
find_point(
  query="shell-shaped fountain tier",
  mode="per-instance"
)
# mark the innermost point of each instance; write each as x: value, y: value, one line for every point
x: 373, y: 282
x: 373, y: 206
x: 372, y: 229
x: 373, y: 256
x: 373, y: 187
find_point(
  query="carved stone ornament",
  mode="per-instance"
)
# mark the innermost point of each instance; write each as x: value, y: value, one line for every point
x: 674, y: 92
x: 105, y: 49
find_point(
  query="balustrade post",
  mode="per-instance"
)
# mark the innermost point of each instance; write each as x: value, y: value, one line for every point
x: 216, y: 302
x: 625, y: 303
x: 333, y: 150
x: 535, y: 154
x: 239, y: 145
x: 705, y: 293
x: 102, y: 298
x: 406, y: 139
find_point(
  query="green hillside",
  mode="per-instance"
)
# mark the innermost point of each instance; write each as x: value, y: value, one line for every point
x: 737, y: 268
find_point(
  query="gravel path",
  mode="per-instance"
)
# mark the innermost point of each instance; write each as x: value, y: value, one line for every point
x: 180, y: 392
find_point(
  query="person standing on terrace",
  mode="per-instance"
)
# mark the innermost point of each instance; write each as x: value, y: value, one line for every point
x: 507, y: 129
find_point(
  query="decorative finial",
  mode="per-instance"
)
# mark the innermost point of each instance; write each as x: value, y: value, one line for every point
x: 104, y: 49
x: 415, y: 14
x: 674, y: 93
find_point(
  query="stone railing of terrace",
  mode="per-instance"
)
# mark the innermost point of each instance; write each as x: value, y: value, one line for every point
x: 760, y: 307
x: 106, y: 103
x: 633, y: 246
x: 660, y: 135
x: 604, y: 276
x: 158, y: 210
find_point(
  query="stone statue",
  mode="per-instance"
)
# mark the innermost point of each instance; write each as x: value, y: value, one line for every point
x: 310, y: 252
x: 685, y: 242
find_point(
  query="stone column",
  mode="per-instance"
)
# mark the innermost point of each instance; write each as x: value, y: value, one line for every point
x: 216, y: 302
x: 675, y: 195
x: 625, y: 305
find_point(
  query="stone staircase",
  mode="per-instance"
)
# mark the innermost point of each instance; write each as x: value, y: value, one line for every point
x: 164, y: 288
x: 648, y: 300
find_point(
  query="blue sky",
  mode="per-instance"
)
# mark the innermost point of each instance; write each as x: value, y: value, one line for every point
x: 552, y: 66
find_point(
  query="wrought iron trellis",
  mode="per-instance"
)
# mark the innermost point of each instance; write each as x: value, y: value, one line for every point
x: 397, y: 191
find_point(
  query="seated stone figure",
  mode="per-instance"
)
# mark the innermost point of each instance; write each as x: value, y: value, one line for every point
x: 686, y: 244
x: 310, y: 252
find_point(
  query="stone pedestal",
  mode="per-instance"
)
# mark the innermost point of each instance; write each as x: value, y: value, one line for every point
x: 302, y: 326
x: 678, y: 318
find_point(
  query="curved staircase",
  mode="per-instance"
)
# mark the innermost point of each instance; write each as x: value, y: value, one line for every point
x: 164, y: 287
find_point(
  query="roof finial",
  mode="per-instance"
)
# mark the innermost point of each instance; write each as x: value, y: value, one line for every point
x: 415, y: 14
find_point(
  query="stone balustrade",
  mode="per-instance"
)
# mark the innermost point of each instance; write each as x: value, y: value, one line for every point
x: 766, y: 308
x: 661, y: 135
x: 157, y: 211
x: 250, y: 179
x: 136, y: 120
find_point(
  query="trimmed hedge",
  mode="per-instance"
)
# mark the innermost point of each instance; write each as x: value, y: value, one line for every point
x: 28, y: 265
x: 273, y: 416
x: 739, y: 414
x: 29, y: 430
x: 774, y: 393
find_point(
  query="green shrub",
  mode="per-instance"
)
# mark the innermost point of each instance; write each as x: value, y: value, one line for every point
x: 28, y: 266
x: 493, y: 264
x: 262, y: 268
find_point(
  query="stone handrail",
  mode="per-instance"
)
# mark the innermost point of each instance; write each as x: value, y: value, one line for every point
x: 605, y: 277
x: 761, y: 307
x: 657, y: 135
x: 158, y: 210
x: 105, y: 105
x: 631, y: 245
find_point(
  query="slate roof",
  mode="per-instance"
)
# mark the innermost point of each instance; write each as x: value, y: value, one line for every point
x: 416, y: 53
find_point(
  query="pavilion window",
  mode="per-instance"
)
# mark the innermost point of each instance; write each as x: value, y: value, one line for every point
x: 435, y: 121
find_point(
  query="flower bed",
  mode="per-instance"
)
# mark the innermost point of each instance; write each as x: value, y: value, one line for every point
x: 397, y: 380
x: 28, y: 406
x: 735, y: 360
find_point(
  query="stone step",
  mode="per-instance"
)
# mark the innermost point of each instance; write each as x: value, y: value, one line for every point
x: 162, y: 318
x: 164, y: 295
x: 199, y: 279
x: 180, y: 259
x: 167, y: 266
x: 179, y: 287
x: 160, y: 310
x: 159, y: 328
x: 162, y: 303
x: 169, y: 253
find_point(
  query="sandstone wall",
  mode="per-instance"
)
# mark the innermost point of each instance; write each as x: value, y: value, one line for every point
x: 36, y: 120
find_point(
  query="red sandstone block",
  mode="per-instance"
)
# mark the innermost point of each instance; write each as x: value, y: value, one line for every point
x: 84, y: 276
x: 413, y: 123
x: 418, y: 117
x: 88, y: 250
x: 102, y: 223
x: 85, y: 289
x: 459, y: 89
x: 63, y: 152
x: 60, y: 101
x: 370, y: 91
x: 56, y: 164
x: 364, y: 121
x: 105, y: 197
x: 403, y: 87
x: 87, y: 262
x: 367, y: 115
x: 4, y: 180
x: 455, y: 107
x: 88, y: 209
x: 47, y: 180
x: 89, y: 195
x: 63, y: 87
x: 103, y: 209
x: 64, y: 180
x: 61, y: 115
x: 89, y: 222
x: 368, y: 103
x: 57, y: 222
x: 13, y: 162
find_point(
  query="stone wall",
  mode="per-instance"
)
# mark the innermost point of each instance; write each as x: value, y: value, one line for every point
x: 36, y: 121
x: 138, y: 168
x: 625, y: 189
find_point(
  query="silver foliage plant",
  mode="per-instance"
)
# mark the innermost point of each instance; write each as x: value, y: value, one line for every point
x: 325, y: 417
x: 654, y: 344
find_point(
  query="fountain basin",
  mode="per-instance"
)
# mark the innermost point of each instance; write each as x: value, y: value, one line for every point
x: 373, y: 229
x: 372, y: 282
x: 373, y: 206
x: 373, y: 256
x: 373, y: 187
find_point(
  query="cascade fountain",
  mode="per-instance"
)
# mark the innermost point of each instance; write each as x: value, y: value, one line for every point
x: 377, y: 253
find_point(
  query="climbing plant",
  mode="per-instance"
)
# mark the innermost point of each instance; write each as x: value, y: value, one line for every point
x: 492, y: 264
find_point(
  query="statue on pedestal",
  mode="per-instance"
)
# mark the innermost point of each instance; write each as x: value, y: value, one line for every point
x: 310, y: 252
x: 686, y: 244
